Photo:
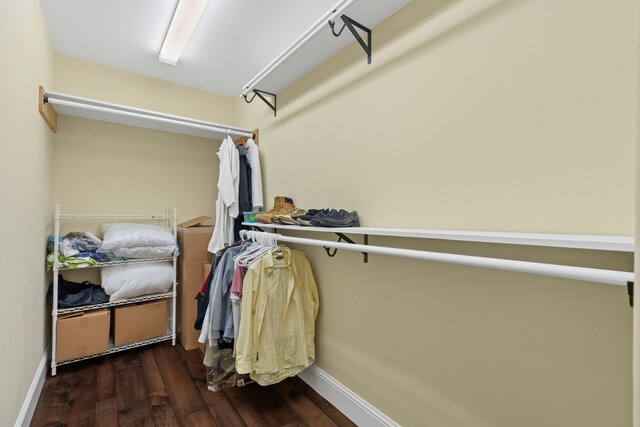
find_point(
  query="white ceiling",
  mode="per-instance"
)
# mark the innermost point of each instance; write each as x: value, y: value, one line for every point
x: 232, y: 42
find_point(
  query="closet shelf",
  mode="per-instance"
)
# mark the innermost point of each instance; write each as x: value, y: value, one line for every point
x: 120, y: 262
x: 168, y: 336
x: 319, y: 43
x: 572, y: 241
x: 107, y: 216
x: 114, y: 303
x: 51, y: 104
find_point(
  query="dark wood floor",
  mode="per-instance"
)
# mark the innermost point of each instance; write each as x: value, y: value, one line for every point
x: 161, y: 385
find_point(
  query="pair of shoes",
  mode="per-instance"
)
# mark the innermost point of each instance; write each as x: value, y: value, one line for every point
x: 305, y: 218
x: 287, y: 217
x: 281, y: 206
x: 328, y: 218
x: 336, y: 218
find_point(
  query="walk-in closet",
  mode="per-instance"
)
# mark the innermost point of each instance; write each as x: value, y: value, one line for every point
x: 328, y: 213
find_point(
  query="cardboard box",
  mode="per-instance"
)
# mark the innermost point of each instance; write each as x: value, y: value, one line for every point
x: 82, y: 334
x: 138, y: 322
x: 193, y: 239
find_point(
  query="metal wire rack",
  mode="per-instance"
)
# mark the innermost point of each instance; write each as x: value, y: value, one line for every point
x: 170, y: 220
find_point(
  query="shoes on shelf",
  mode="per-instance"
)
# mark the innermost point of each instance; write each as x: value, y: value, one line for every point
x: 284, y: 212
x: 281, y: 205
x: 305, y: 219
x: 287, y: 217
x: 335, y: 218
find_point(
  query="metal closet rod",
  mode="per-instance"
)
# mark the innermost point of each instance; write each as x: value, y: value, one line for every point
x: 330, y: 15
x: 149, y: 117
x: 609, y: 277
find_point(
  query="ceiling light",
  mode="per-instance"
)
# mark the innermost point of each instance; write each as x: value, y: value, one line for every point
x: 184, y: 21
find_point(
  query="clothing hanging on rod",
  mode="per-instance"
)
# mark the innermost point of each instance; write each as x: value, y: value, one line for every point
x: 227, y: 207
x: 264, y: 315
x: 256, y: 174
x: 278, y: 313
x: 245, y: 199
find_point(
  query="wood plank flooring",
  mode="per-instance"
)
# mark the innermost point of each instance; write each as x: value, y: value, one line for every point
x: 161, y: 385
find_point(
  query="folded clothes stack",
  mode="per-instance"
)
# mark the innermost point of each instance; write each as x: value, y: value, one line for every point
x: 284, y: 212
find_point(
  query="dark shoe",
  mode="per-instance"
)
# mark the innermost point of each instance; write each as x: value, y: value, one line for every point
x: 306, y: 218
x: 324, y: 213
x: 341, y: 218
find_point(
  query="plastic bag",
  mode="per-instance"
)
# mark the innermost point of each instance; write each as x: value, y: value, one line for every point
x: 73, y: 243
x: 72, y: 294
x: 221, y: 368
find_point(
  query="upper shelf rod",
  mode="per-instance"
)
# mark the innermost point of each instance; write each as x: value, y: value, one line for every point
x: 571, y: 241
x: 609, y: 277
x: 330, y: 15
x: 121, y: 114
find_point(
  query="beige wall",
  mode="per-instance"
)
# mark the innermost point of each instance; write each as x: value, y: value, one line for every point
x: 25, y: 191
x: 482, y: 115
x: 107, y: 168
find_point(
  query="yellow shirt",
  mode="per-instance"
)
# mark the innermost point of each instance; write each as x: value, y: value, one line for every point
x: 277, y: 323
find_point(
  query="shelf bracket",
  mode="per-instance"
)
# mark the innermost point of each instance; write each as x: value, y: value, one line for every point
x: 351, y: 24
x: 342, y: 237
x: 261, y: 94
x: 46, y: 110
x: 630, y: 292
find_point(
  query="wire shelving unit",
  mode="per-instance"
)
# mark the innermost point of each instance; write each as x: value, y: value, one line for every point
x: 170, y: 220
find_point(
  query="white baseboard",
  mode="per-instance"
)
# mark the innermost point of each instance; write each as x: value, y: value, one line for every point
x: 345, y: 400
x: 31, y: 400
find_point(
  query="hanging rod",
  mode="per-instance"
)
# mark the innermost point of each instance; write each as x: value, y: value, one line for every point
x: 609, y: 277
x: 114, y: 113
x: 330, y: 15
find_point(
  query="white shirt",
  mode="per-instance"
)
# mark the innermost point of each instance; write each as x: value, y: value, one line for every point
x: 256, y: 174
x: 227, y: 203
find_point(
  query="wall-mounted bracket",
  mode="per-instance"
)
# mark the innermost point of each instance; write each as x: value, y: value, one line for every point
x: 351, y: 24
x: 261, y: 94
x: 342, y: 237
x: 630, y: 292
x: 46, y: 110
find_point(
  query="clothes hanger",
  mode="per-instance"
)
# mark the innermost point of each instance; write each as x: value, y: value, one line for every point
x: 260, y: 247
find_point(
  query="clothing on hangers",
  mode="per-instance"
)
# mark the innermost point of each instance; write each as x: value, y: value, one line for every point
x: 227, y: 206
x: 256, y: 174
x: 244, y: 190
x: 277, y: 323
x: 203, y: 295
x: 218, y: 321
x: 236, y: 300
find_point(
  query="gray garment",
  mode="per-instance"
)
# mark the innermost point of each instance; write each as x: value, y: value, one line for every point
x: 220, y: 312
x: 256, y: 174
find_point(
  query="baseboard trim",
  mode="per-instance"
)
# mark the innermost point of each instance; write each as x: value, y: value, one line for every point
x: 31, y: 400
x: 345, y: 400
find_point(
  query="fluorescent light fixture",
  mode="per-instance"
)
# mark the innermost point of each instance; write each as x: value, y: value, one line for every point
x: 184, y: 21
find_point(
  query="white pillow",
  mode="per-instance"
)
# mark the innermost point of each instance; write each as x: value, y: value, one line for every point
x: 126, y: 240
x: 134, y: 280
x: 144, y: 252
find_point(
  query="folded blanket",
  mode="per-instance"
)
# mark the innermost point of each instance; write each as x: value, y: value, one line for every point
x: 71, y: 262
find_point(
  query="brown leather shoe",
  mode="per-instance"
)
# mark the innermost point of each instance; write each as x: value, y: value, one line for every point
x: 281, y: 205
x: 285, y: 218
